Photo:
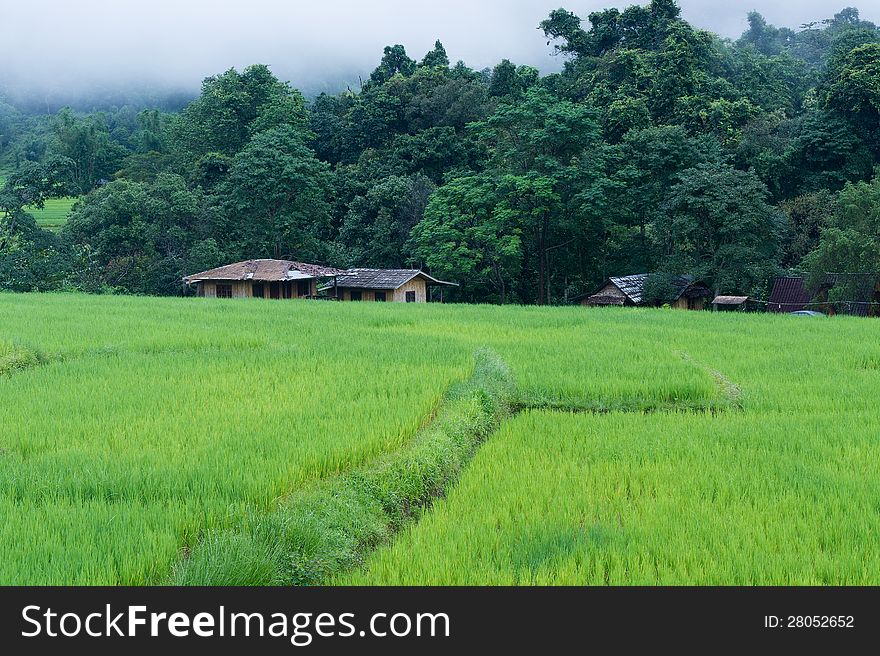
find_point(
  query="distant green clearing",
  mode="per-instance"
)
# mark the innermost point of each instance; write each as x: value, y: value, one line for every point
x: 54, y: 213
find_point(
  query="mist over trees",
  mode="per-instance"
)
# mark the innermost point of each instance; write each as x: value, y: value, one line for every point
x: 659, y: 147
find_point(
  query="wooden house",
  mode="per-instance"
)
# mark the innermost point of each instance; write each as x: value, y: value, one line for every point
x: 384, y: 285
x: 277, y: 279
x: 687, y: 294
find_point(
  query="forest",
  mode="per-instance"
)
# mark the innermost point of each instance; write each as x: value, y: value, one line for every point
x: 659, y: 147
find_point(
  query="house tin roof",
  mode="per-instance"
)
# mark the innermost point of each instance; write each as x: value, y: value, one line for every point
x: 789, y: 294
x: 265, y: 270
x: 383, y: 278
x: 730, y: 300
x: 634, y: 286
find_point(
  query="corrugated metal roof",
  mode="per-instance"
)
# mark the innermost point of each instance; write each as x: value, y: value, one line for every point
x: 634, y: 286
x: 789, y: 294
x: 383, y: 278
x: 265, y: 270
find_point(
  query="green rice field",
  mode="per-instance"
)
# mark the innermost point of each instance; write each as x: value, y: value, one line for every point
x: 54, y: 213
x: 639, y: 446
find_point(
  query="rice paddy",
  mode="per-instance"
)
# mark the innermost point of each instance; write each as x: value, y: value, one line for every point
x: 133, y: 428
x: 53, y: 215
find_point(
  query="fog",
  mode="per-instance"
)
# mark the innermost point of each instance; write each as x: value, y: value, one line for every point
x: 68, y: 48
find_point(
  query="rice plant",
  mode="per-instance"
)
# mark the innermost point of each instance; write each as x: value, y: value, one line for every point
x: 132, y: 428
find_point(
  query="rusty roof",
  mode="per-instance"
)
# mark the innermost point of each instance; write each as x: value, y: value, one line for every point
x: 730, y: 300
x: 265, y: 270
x: 789, y: 294
x: 383, y: 278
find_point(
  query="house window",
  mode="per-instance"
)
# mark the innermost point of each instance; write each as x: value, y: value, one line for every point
x: 224, y: 291
x: 380, y: 297
x: 355, y: 295
x: 258, y: 290
x: 410, y: 297
x: 303, y: 288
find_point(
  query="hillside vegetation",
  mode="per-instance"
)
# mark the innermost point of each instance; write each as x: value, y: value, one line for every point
x: 659, y: 148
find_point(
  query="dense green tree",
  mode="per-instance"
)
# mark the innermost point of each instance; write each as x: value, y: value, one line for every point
x: 470, y: 234
x: 395, y: 61
x: 536, y: 146
x: 273, y: 202
x: 436, y: 57
x: 140, y: 233
x: 87, y: 144
x: 853, y: 91
x: 31, y: 258
x: 765, y: 39
x: 851, y: 240
x: 378, y: 224
x: 642, y: 169
x: 231, y: 109
x: 718, y: 226
x: 807, y: 215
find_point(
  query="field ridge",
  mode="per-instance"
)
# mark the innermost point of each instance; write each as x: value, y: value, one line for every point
x: 331, y: 526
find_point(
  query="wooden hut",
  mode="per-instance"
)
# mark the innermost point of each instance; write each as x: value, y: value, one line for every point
x: 384, y: 285
x: 687, y: 294
x: 277, y: 279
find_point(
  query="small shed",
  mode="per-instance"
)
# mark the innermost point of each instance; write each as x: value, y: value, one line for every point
x: 264, y: 278
x: 384, y: 285
x: 629, y: 290
x: 729, y: 303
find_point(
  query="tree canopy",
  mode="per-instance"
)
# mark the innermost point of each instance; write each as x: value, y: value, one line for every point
x: 659, y: 148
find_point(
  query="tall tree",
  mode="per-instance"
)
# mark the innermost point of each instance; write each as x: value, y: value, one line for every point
x: 436, y: 57
x: 851, y: 241
x: 274, y: 200
x: 718, y: 226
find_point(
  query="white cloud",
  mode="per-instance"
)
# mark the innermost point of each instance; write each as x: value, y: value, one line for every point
x: 178, y: 42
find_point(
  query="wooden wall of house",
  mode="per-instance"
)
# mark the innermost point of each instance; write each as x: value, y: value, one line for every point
x: 366, y: 294
x: 240, y: 288
x: 608, y: 290
x: 391, y: 295
x: 417, y: 285
x: 245, y: 288
x: 682, y: 303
